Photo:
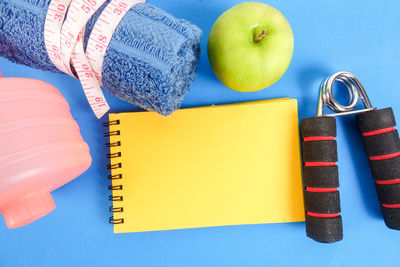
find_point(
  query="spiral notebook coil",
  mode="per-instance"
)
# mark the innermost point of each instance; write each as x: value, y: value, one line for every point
x: 114, y: 198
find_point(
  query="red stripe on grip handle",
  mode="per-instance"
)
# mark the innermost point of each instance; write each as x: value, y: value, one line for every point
x: 380, y: 131
x: 322, y: 215
x: 320, y: 190
x: 318, y: 138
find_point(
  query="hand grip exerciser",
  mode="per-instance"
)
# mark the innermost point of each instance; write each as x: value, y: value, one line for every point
x: 382, y: 146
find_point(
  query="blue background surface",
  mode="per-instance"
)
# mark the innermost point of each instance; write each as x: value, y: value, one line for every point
x: 362, y: 37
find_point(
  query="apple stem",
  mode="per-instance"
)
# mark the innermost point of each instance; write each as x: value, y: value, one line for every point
x: 260, y: 36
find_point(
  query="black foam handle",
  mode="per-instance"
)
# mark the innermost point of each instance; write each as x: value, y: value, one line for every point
x: 382, y: 145
x: 321, y: 179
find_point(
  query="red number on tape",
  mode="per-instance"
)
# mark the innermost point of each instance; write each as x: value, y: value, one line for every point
x: 99, y: 47
x: 68, y: 43
x: 61, y: 7
x: 85, y: 8
x: 58, y: 17
x: 117, y: 11
x: 123, y: 5
x: 88, y: 75
x: 102, y: 38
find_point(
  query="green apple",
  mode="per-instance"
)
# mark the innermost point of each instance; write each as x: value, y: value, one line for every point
x: 250, y: 46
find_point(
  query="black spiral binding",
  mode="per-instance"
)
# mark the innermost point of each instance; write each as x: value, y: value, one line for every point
x: 114, y: 198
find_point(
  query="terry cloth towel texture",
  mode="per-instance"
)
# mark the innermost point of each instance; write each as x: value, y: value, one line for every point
x: 151, y: 60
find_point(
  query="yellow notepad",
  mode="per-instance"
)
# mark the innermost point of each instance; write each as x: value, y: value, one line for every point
x: 209, y: 166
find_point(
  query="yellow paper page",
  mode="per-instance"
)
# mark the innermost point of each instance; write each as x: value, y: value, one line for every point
x: 209, y: 166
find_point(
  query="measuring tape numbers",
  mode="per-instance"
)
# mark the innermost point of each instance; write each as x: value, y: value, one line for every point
x: 103, y: 30
x: 64, y: 34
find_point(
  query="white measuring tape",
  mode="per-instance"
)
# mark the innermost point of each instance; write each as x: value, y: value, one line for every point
x: 64, y: 41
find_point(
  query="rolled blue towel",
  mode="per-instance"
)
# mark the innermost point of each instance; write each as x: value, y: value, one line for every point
x: 150, y: 61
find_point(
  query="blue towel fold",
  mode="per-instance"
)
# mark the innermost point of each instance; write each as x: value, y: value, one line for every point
x: 151, y: 60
